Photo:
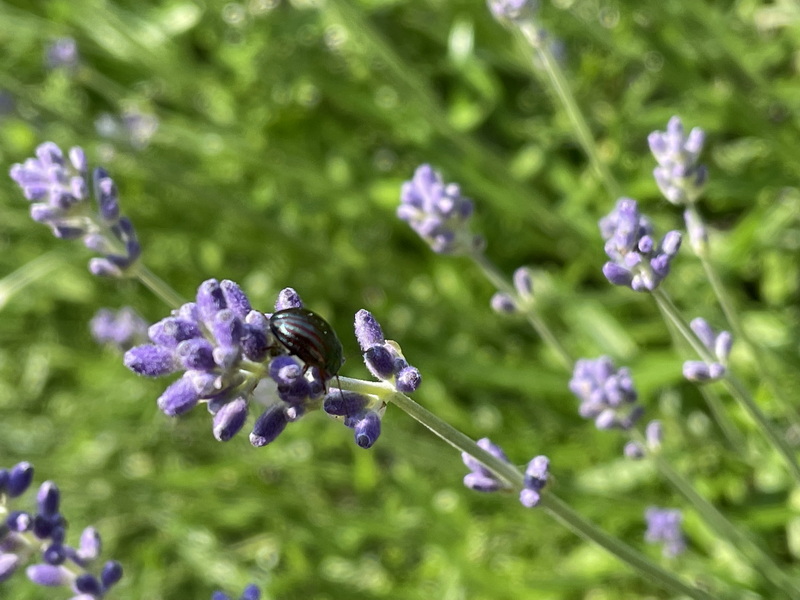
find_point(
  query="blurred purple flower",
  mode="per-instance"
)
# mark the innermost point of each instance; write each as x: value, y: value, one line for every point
x: 678, y: 175
x: 46, y: 529
x: 664, y: 526
x: 438, y: 213
x: 62, y: 54
x: 718, y: 344
x: 123, y: 328
x: 59, y: 191
x: 637, y: 261
x: 606, y: 393
x: 251, y: 592
x: 511, y: 10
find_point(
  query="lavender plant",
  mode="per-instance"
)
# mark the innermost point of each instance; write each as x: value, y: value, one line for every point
x: 226, y: 355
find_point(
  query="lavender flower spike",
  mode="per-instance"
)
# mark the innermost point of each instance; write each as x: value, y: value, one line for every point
x: 678, y: 175
x: 637, y: 261
x: 59, y: 190
x: 438, y: 213
x: 606, y: 393
x: 664, y: 526
x: 718, y: 344
x: 46, y: 528
x: 122, y: 329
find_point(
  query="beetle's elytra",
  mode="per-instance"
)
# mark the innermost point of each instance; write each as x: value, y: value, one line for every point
x: 309, y: 337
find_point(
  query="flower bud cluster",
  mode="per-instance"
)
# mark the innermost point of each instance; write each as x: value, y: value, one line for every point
x: 42, y: 534
x: 59, y: 190
x: 606, y: 393
x: 383, y: 357
x: 678, y: 175
x: 523, y: 284
x: 438, y: 213
x: 664, y: 526
x: 482, y: 479
x: 653, y: 434
x: 251, y: 592
x: 637, y: 261
x: 360, y: 412
x: 718, y: 344
x: 122, y: 329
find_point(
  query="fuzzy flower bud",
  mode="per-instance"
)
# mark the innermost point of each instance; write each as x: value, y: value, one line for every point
x: 718, y: 344
x: 664, y: 526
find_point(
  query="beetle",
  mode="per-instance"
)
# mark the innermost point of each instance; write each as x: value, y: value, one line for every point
x: 309, y: 337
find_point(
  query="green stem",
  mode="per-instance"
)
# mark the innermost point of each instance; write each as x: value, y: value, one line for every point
x: 492, y: 273
x: 558, y: 82
x: 725, y: 528
x: 156, y: 285
x: 731, y: 383
x: 515, y: 479
x: 28, y: 273
x: 736, y: 326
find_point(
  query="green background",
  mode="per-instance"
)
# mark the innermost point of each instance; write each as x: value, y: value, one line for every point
x: 285, y: 133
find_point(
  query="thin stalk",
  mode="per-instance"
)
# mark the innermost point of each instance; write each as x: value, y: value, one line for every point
x: 156, y: 285
x: 558, y: 82
x: 725, y: 528
x: 731, y: 383
x: 492, y: 273
x: 758, y: 352
x: 515, y: 479
x: 28, y: 273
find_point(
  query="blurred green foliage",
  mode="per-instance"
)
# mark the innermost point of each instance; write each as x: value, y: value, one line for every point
x: 285, y: 131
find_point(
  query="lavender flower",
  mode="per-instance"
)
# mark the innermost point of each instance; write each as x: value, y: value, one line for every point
x: 62, y: 54
x: 438, y: 213
x: 44, y: 533
x: 228, y: 358
x: 664, y: 526
x: 133, y: 126
x: 480, y: 478
x: 606, y: 393
x: 59, y: 191
x: 678, y: 175
x: 251, y: 592
x: 122, y: 329
x: 634, y: 450
x: 718, y: 344
x: 636, y: 260
x: 384, y: 358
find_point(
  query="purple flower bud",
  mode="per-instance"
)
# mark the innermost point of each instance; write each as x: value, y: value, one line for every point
x: 523, y: 282
x: 482, y: 479
x: 107, y: 196
x: 230, y: 419
x: 482, y: 483
x: 503, y: 303
x: 19, y: 521
x: 150, y: 361
x: 696, y: 370
x: 367, y: 429
x: 210, y: 300
x: 90, y: 544
x: 19, y: 479
x: 251, y: 592
x: 380, y: 362
x: 196, y: 354
x: 235, y: 298
x: 86, y: 583
x: 111, y: 573
x: 178, y: 398
x: 268, y: 426
x: 698, y: 235
x: 54, y: 554
x: 171, y: 331
x: 49, y: 575
x: 654, y: 434
x: 368, y: 330
x: 617, y: 274
x: 529, y: 498
x: 408, y: 380
x: 341, y: 403
x: 634, y: 450
x: 62, y: 54
x: 48, y: 499
x: 103, y: 267
x: 8, y: 565
x: 227, y: 329
x: 511, y: 10
x: 288, y: 298
x: 723, y: 345
x: 255, y: 337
